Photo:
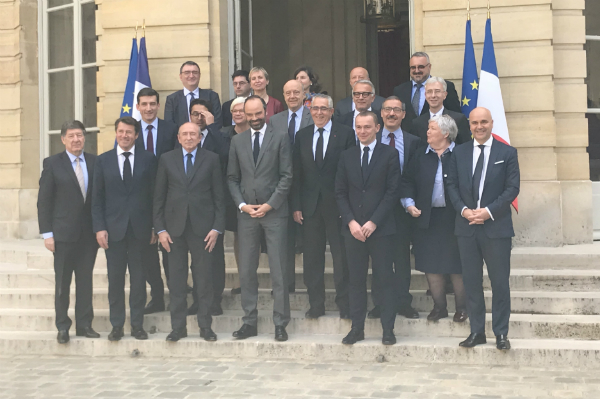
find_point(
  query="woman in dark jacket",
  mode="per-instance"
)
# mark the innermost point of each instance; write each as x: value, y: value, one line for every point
x: 425, y: 199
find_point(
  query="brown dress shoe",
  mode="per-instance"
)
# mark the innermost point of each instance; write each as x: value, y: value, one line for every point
x: 460, y: 316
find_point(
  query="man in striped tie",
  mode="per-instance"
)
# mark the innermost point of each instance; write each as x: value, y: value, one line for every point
x: 65, y: 220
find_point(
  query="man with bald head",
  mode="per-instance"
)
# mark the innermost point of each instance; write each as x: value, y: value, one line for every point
x: 293, y: 119
x: 483, y: 181
x: 346, y: 105
x: 189, y: 216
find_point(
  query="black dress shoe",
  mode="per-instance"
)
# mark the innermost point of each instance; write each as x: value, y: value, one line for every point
x: 193, y: 310
x: 139, y: 333
x: 245, y: 332
x: 502, y: 342
x: 388, y: 337
x: 208, y: 335
x: 436, y: 314
x: 460, y: 316
x: 473, y: 340
x: 116, y: 334
x: 62, y: 337
x: 354, y: 336
x: 280, y: 334
x: 409, y: 312
x: 88, y: 332
x: 154, y: 306
x: 375, y: 313
x: 177, y: 334
x: 215, y: 309
x: 237, y: 290
x: 314, y: 313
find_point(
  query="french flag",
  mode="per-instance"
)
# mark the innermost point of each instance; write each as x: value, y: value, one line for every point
x: 490, y: 94
x: 142, y: 77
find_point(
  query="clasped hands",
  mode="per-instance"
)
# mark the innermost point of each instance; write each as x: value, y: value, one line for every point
x: 361, y: 232
x: 477, y: 216
x: 256, y: 211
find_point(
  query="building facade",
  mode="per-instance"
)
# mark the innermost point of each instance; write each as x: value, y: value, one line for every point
x: 62, y: 59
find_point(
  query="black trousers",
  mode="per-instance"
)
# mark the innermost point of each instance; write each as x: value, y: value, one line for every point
x: 202, y: 266
x: 151, y: 263
x: 316, y: 229
x: 121, y: 255
x: 79, y: 258
x: 218, y: 273
x: 378, y: 248
x: 474, y: 250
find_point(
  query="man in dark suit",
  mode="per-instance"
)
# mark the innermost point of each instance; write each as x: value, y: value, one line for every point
x: 213, y: 141
x: 435, y: 94
x: 367, y: 190
x: 241, y: 87
x: 158, y: 137
x: 178, y: 103
x: 65, y: 220
x: 317, y: 152
x: 122, y: 219
x: 483, y: 181
x: 364, y: 94
x: 290, y: 121
x: 346, y: 105
x: 260, y: 177
x: 412, y: 93
x: 393, y: 113
x: 189, y: 216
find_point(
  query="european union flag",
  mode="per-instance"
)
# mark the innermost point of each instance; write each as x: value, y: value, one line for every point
x: 142, y: 76
x: 470, y: 83
x: 128, y: 102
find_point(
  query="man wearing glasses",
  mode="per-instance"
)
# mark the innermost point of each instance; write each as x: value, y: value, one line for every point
x: 412, y: 93
x: 178, y: 103
x: 363, y: 93
x: 241, y: 87
x: 317, y: 150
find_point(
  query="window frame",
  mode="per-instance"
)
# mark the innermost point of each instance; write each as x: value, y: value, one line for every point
x: 592, y: 38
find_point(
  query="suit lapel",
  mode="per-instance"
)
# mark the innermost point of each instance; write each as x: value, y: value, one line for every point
x: 180, y: 167
x: 114, y: 166
x: 199, y: 160
x: 137, y: 166
x: 306, y: 118
x: 66, y: 162
x: 407, y: 150
x: 331, y: 144
x: 374, y: 159
x: 266, y: 140
x: 183, y: 111
x: 468, y: 166
x: 90, y: 167
x: 159, y: 141
x: 493, y: 157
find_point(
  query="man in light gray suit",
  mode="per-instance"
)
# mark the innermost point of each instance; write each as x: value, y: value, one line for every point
x: 291, y: 121
x: 346, y: 105
x: 259, y: 178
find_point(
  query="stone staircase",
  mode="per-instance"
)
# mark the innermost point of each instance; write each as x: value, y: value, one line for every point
x: 555, y: 304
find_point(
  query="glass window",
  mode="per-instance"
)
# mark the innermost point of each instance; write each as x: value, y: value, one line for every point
x: 88, y: 33
x: 61, y: 98
x: 592, y: 47
x: 60, y: 38
x: 89, y: 96
x: 56, y: 3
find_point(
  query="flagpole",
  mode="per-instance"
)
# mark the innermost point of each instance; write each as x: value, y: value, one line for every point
x: 144, y: 26
x: 136, y: 28
x: 468, y: 10
x: 488, y: 7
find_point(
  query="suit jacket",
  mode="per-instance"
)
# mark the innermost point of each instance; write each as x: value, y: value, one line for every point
x: 226, y: 111
x: 372, y: 197
x: 270, y: 180
x: 344, y: 106
x: 61, y: 208
x: 311, y: 183
x: 348, y: 118
x: 411, y: 144
x: 114, y: 205
x: 166, y: 138
x: 404, y: 93
x: 421, y: 124
x: 176, y: 107
x: 200, y: 197
x: 279, y: 121
x: 500, y: 188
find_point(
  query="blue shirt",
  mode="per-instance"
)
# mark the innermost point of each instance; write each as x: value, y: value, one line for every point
x: 298, y: 118
x: 154, y: 133
x: 422, y: 98
x: 185, y: 153
x: 399, y: 138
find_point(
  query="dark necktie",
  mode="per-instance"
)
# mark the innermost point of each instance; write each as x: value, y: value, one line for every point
x: 319, y: 151
x: 150, y: 140
x: 192, y: 96
x: 477, y: 174
x: 189, y: 166
x: 256, y: 149
x: 365, y: 160
x: 292, y: 128
x: 392, y: 140
x: 127, y: 175
x: 416, y: 100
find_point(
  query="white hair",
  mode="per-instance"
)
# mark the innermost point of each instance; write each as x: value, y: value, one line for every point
x: 437, y: 79
x: 236, y: 101
x: 323, y: 96
x: 421, y: 54
x: 447, y: 125
x: 366, y: 82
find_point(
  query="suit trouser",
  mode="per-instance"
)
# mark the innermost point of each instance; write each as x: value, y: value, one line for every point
x: 218, y: 272
x: 79, y: 258
x: 121, y: 255
x: 202, y: 269
x: 294, y: 232
x: 275, y: 229
x: 316, y: 229
x: 474, y: 250
x: 402, y: 269
x: 151, y: 264
x: 378, y: 248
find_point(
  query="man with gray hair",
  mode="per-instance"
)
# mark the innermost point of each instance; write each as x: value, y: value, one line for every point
x: 435, y: 94
x: 412, y: 93
x: 363, y: 93
x: 316, y: 154
x: 346, y: 105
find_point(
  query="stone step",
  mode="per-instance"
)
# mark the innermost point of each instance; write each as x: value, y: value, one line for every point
x: 527, y: 302
x: 531, y: 280
x: 317, y: 348
x: 522, y: 326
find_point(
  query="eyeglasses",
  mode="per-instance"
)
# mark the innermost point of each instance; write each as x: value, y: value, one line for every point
x: 416, y: 67
x: 397, y: 110
x: 321, y: 109
x: 195, y: 114
x: 188, y: 73
x: 240, y: 83
x: 364, y: 95
x: 431, y: 91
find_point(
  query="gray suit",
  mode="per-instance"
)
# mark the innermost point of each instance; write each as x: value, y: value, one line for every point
x: 344, y: 106
x: 279, y: 122
x: 267, y: 181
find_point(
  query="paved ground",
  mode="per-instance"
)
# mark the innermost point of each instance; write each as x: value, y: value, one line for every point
x: 76, y: 377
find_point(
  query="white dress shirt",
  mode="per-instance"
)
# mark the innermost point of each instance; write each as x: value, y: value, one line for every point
x: 437, y: 114
x: 121, y: 159
x: 370, y: 146
x: 204, y: 135
x: 326, y: 133
x: 486, y: 158
x: 154, y: 133
x: 261, y: 137
x: 188, y: 98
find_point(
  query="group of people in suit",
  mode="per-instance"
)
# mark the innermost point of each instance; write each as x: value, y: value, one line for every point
x: 368, y: 177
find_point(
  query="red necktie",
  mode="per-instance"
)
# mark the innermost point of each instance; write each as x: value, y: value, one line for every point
x: 150, y: 140
x: 392, y: 140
